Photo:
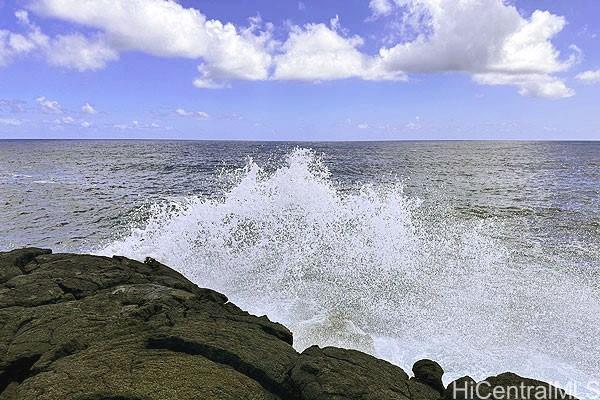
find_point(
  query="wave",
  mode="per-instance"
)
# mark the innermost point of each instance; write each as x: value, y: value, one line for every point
x: 374, y: 269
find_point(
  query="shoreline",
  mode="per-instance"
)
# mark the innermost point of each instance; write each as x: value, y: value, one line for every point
x: 90, y: 327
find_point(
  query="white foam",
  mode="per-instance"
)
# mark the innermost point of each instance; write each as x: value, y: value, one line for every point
x: 376, y: 270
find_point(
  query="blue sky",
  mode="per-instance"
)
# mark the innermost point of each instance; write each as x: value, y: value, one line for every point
x: 300, y: 70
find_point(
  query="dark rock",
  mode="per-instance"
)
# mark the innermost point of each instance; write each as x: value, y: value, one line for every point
x: 504, y: 387
x: 515, y: 387
x: 335, y: 374
x: 429, y: 373
x: 12, y: 263
x: 86, y: 327
x: 97, y: 328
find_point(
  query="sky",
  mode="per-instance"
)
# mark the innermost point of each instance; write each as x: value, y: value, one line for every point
x: 300, y: 70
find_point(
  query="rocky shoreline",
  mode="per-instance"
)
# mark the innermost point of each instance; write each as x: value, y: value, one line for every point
x: 96, y: 328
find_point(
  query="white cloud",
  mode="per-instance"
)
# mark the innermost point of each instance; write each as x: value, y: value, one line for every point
x: 79, y: 52
x: 167, y: 29
x: 537, y: 85
x: 182, y: 112
x: 529, y: 48
x: 87, y: 108
x: 12, y: 106
x: 482, y: 37
x: 488, y: 39
x: 15, y: 44
x: 318, y: 52
x: 74, y: 51
x: 206, y: 79
x: 48, y: 105
x: 196, y: 114
x: 363, y: 126
x: 161, y: 28
x: 137, y: 125
x: 10, y: 121
x: 380, y: 7
x: 589, y: 76
x: 66, y: 121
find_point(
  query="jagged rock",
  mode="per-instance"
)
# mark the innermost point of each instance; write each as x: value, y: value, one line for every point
x: 503, y: 387
x: 85, y: 327
x: 429, y: 373
x: 526, y: 388
x: 339, y: 374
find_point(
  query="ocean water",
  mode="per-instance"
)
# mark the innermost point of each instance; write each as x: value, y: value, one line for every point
x: 484, y: 256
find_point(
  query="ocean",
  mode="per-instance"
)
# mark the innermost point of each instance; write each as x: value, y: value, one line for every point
x: 484, y: 256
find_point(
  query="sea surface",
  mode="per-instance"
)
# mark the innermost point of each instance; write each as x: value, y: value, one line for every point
x: 484, y: 256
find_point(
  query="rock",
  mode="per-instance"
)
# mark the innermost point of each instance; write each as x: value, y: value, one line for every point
x: 429, y: 373
x: 85, y: 327
x: 513, y: 386
x: 12, y: 263
x: 503, y: 387
x: 332, y: 373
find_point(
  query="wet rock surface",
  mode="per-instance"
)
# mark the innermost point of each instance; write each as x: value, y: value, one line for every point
x: 96, y: 328
x: 429, y: 372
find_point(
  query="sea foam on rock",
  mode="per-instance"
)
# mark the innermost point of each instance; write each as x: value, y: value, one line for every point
x: 96, y: 328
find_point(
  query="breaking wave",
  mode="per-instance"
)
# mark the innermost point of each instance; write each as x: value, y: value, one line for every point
x: 373, y: 269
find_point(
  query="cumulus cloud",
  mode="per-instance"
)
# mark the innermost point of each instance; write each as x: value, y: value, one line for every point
x: 589, y: 76
x: 79, y: 52
x: 14, y: 44
x: 74, y: 51
x: 537, y: 85
x: 87, y: 108
x: 488, y: 39
x: 320, y: 52
x: 167, y: 29
x: 317, y: 52
x: 47, y: 105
